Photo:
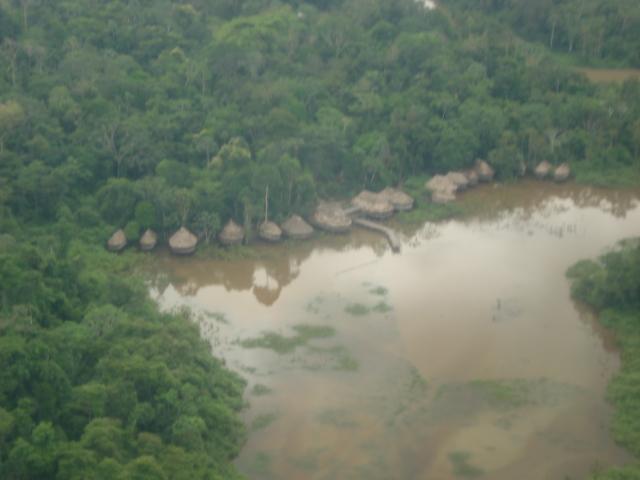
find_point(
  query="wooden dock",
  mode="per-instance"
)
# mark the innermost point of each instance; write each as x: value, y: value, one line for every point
x: 394, y: 241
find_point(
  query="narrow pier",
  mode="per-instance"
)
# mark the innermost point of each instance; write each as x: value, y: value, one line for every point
x: 394, y: 241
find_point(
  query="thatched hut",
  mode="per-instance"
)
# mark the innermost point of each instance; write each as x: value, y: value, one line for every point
x: 472, y: 177
x: 562, y: 173
x: 148, y: 240
x: 183, y: 242
x: 373, y: 205
x: 443, y: 196
x: 331, y: 217
x: 459, y: 179
x: 543, y: 170
x: 442, y: 189
x: 484, y: 171
x: 397, y: 198
x: 439, y: 182
x: 117, y: 241
x: 269, y: 231
x: 232, y: 234
x: 295, y: 227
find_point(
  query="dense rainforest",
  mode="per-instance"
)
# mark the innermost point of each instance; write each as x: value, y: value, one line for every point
x: 157, y: 113
x: 594, y: 31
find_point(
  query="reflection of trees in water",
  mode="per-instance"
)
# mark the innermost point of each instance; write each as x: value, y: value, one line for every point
x: 529, y: 198
x: 266, y: 276
x: 522, y: 206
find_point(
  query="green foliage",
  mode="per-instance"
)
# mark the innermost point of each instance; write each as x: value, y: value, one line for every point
x: 96, y: 383
x: 612, y: 286
x: 160, y: 114
x: 263, y: 421
x: 590, y: 29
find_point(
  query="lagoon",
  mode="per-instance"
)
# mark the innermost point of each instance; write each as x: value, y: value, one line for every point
x: 462, y: 356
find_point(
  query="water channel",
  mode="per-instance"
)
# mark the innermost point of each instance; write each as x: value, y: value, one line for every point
x: 463, y: 356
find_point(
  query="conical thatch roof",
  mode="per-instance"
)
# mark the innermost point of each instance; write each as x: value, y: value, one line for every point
x: 331, y: 217
x: 373, y: 205
x: 148, y: 240
x: 183, y: 242
x: 442, y: 189
x: 484, y: 171
x: 562, y: 173
x: 232, y: 234
x: 296, y: 227
x: 459, y: 179
x: 270, y: 232
x: 117, y: 241
x: 543, y: 169
x: 397, y: 198
x: 472, y: 177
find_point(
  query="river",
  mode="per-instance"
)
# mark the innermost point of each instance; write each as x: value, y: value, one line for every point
x: 463, y: 356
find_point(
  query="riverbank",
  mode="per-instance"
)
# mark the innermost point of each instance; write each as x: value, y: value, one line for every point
x: 611, y: 285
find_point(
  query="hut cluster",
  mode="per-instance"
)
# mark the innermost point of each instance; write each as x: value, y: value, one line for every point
x: 328, y: 216
x: 545, y: 170
x: 383, y: 204
x: 443, y: 188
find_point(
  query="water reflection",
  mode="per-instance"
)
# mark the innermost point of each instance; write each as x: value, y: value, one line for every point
x: 464, y: 353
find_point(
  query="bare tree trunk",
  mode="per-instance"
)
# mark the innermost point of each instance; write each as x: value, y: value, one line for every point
x: 25, y: 13
x: 266, y: 204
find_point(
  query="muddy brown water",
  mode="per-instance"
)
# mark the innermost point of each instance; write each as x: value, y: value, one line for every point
x: 463, y: 356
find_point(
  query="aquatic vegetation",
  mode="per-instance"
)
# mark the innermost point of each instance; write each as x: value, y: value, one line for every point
x: 217, y: 316
x: 262, y: 421
x: 259, y: 466
x: 464, y: 399
x: 357, y: 309
x: 346, y: 363
x: 258, y: 390
x: 379, y: 290
x: 309, y: 461
x: 382, y: 307
x: 282, y: 344
x: 339, y: 418
x: 461, y: 466
x: 335, y: 357
x: 314, y: 305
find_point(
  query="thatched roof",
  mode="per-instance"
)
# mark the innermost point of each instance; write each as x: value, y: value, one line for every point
x: 270, y: 232
x: 373, y: 205
x: 296, y: 227
x: 484, y: 171
x: 442, y: 188
x: 399, y: 199
x: 472, y: 177
x: 443, y: 196
x: 543, y: 169
x: 331, y: 217
x: 562, y: 173
x: 148, y: 240
x: 183, y: 242
x: 439, y: 182
x: 232, y: 234
x: 117, y: 241
x: 459, y: 179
